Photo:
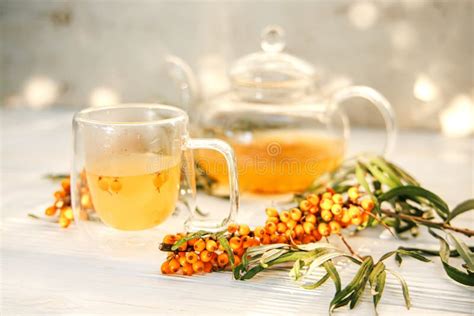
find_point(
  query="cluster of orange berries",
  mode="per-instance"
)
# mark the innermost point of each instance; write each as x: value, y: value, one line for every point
x: 62, y: 203
x: 317, y: 216
x: 201, y: 255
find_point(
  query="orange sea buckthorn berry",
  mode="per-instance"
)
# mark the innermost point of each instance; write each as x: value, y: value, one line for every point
x: 313, y: 199
x: 211, y: 245
x: 305, y: 205
x: 285, y: 216
x: 326, y: 195
x: 259, y: 231
x: 191, y: 242
x: 281, y: 228
x: 326, y: 204
x: 116, y: 186
x: 324, y: 229
x: 265, y: 239
x: 214, y: 259
x: 247, y: 241
x: 59, y: 194
x: 244, y: 230
x: 335, y: 227
x: 235, y: 243
x: 239, y: 252
x: 354, y: 211
x: 199, y: 245
x: 272, y: 219
x: 198, y: 267
x: 291, y: 224
x: 169, y: 239
x: 174, y: 265
x: 314, y: 209
x: 326, y: 215
x: 346, y: 217
x: 183, y: 246
x: 308, y: 239
x: 299, y: 230
x: 308, y: 227
x: 317, y: 236
x: 353, y: 193
x: 182, y: 261
x: 365, y: 217
x: 338, y: 199
x: 270, y: 228
x: 237, y: 261
x: 191, y: 257
x: 86, y: 201
x: 59, y: 204
x: 222, y: 259
x: 50, y: 211
x: 67, y: 212
x: 336, y: 209
x: 274, y: 239
x: 64, y: 222
x: 282, y: 239
x: 271, y: 212
x: 356, y: 220
x: 188, y: 269
x: 205, y: 256
x: 207, y: 267
x: 104, y: 183
x: 367, y: 204
x: 232, y: 228
x: 66, y: 184
x: 290, y: 234
x: 165, y: 268
x: 255, y: 242
x: 295, y: 214
x: 310, y: 218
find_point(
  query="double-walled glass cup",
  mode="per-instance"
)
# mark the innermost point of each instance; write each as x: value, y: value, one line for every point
x: 134, y: 161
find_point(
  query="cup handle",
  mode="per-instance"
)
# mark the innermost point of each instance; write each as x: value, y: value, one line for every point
x: 380, y: 102
x: 195, y: 223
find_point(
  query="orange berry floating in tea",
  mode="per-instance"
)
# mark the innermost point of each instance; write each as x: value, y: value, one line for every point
x: 134, y: 192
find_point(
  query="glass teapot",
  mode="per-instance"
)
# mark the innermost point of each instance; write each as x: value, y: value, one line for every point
x: 284, y: 134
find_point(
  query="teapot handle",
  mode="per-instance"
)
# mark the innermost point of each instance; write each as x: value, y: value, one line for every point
x: 380, y: 102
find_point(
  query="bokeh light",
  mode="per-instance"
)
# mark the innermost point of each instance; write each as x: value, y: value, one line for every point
x: 458, y: 118
x: 103, y: 96
x: 424, y: 89
x: 40, y: 92
x: 363, y: 14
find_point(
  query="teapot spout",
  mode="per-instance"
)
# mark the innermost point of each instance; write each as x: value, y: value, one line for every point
x: 185, y: 80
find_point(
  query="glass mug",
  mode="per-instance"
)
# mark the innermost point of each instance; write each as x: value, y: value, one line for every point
x: 136, y: 159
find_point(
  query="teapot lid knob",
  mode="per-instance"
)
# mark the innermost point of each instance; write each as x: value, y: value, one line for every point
x: 273, y: 39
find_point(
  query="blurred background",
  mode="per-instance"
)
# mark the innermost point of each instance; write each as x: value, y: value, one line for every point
x: 74, y: 54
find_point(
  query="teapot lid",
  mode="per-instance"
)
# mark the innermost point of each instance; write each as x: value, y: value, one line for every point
x: 271, y: 75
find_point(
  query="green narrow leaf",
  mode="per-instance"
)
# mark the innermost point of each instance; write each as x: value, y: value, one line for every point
x: 402, y: 173
x: 332, y: 272
x: 406, y: 292
x: 463, y: 251
x: 225, y: 244
x: 316, y: 284
x: 295, y: 272
x: 380, y: 162
x: 414, y: 192
x: 360, y: 288
x: 360, y: 176
x: 461, y: 208
x: 379, y: 287
x: 379, y: 175
x: 344, y: 296
x: 454, y: 273
x: 187, y: 238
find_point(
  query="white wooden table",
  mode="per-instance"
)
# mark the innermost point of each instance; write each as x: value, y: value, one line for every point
x: 47, y: 270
